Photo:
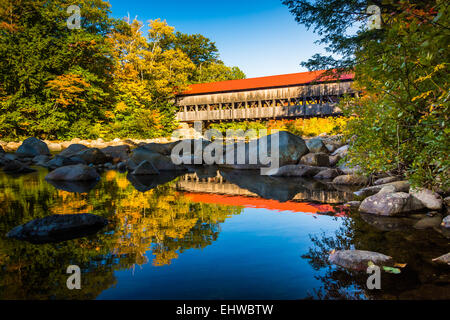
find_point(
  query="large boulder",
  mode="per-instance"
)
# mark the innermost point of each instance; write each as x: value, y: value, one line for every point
x: 328, y: 174
x: 291, y: 149
x: 159, y: 161
x: 295, y: 171
x: 316, y: 145
x: 78, y: 172
x: 122, y: 152
x: 58, y: 228
x: 390, y: 204
x: 145, y: 168
x: 72, y: 150
x: 351, y: 179
x: 32, y: 147
x: 429, y: 199
x: 93, y: 156
x: 315, y: 159
x: 358, y: 259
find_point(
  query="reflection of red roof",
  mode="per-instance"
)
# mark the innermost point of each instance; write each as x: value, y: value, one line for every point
x: 283, y: 80
x: 251, y: 202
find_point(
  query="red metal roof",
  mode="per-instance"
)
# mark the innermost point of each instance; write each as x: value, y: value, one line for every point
x: 283, y: 80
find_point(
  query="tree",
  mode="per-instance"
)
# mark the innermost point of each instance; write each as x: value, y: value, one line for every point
x: 43, y: 61
x: 401, y: 121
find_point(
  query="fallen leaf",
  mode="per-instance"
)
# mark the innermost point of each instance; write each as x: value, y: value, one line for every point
x: 400, y: 265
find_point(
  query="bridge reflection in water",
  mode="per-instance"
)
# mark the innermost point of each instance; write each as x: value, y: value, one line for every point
x: 250, y: 189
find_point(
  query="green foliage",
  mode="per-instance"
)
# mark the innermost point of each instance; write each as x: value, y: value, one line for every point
x: 105, y: 79
x: 401, y: 122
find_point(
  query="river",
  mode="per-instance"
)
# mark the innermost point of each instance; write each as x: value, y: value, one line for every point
x: 209, y: 234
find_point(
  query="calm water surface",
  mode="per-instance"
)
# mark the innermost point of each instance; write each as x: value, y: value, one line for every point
x: 209, y: 235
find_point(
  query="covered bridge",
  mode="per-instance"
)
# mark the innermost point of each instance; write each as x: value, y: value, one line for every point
x: 293, y: 95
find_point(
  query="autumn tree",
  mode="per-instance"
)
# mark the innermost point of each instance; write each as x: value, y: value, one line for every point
x: 401, y: 69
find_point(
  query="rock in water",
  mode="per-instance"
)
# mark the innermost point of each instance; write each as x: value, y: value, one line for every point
x: 350, y: 179
x: 430, y: 199
x: 390, y: 204
x: 443, y: 259
x: 72, y: 150
x: 117, y: 152
x: 358, y: 259
x: 79, y: 172
x: 58, y: 228
x: 145, y: 168
x: 295, y: 171
x: 32, y: 147
x: 93, y: 155
x: 159, y: 161
x: 316, y: 145
x: 446, y: 222
x: 328, y: 174
x: 316, y: 159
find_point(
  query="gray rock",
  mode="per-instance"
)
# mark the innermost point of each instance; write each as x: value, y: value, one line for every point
x: 386, y: 180
x: 315, y: 159
x: 328, y: 174
x: 446, y: 222
x: 145, y: 168
x: 342, y: 151
x: 32, y: 147
x: 58, y: 228
x: 330, y: 147
x: 122, y: 166
x: 92, y: 155
x: 430, y: 199
x: 443, y: 259
x: 295, y: 171
x: 72, y: 150
x: 390, y: 204
x: 351, y: 179
x: 358, y: 259
x: 79, y: 172
x: 159, y: 161
x: 353, y: 204
x: 122, y: 153
x: 316, y: 145
x: 396, y: 186
x: 60, y: 161
x: 334, y: 160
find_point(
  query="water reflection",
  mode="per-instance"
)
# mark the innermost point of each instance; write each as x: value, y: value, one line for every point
x: 420, y: 279
x: 162, y: 221
x: 157, y: 219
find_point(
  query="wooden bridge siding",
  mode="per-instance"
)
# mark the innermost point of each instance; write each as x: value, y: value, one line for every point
x: 260, y: 113
x: 297, y: 101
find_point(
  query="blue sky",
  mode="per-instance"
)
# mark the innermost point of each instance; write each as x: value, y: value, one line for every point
x: 259, y: 36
